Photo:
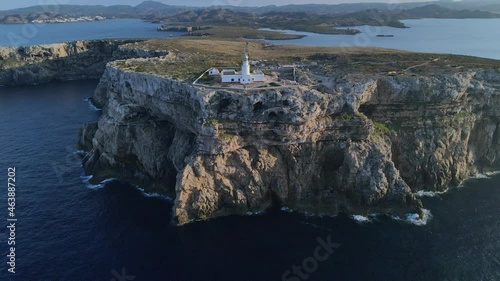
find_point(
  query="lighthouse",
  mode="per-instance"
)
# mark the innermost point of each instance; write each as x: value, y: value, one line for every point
x: 245, y: 76
x: 245, y: 67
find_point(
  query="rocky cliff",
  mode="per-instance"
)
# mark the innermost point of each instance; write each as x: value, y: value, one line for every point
x: 63, y: 61
x: 365, y: 146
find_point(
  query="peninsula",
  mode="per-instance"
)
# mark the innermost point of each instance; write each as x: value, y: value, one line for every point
x: 341, y: 130
x: 39, y: 18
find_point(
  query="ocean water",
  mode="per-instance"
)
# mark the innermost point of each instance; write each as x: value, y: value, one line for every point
x: 473, y: 37
x: 69, y: 230
x: 35, y: 34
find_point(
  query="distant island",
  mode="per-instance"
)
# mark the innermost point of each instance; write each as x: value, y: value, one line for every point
x: 302, y: 21
x: 248, y: 21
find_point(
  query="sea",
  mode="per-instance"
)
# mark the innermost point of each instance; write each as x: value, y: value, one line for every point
x: 473, y: 37
x: 15, y: 35
x: 70, y: 230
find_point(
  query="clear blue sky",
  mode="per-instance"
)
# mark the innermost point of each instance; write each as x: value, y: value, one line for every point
x: 9, y: 4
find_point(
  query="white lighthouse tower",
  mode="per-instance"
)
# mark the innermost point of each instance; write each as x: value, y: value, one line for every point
x: 245, y: 68
x: 245, y: 76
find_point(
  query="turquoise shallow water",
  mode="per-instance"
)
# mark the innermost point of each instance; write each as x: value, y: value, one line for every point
x: 474, y: 37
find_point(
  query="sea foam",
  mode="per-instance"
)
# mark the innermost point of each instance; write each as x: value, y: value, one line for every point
x: 415, y: 218
x: 153, y: 194
x: 91, y: 105
x: 86, y: 180
x: 361, y: 219
x: 286, y: 209
x: 426, y: 193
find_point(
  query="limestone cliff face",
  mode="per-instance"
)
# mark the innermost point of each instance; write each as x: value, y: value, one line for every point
x: 63, y: 61
x: 443, y: 128
x: 367, y: 146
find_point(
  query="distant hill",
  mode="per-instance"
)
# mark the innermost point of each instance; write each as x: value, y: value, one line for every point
x: 437, y: 11
x: 345, y: 8
x: 155, y: 7
x: 303, y: 21
x: 299, y: 21
x: 214, y: 16
x: 145, y: 8
x: 288, y: 16
x: 152, y: 5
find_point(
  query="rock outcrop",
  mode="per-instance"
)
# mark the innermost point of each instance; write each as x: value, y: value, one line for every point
x: 367, y: 146
x: 76, y: 60
x: 359, y: 144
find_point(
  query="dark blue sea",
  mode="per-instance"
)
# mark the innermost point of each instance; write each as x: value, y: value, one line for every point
x: 69, y: 230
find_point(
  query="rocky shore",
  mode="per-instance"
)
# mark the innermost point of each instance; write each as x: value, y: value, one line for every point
x: 367, y: 148
x: 76, y: 60
x: 365, y: 144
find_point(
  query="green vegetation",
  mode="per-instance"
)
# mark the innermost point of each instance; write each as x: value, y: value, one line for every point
x: 207, y: 79
x: 397, y: 62
x: 231, y: 32
x: 7, y: 63
x: 215, y: 121
x: 224, y: 135
x: 464, y: 114
x: 381, y: 128
x: 348, y: 117
x: 211, y: 121
x: 193, y: 56
x: 189, y: 57
x: 249, y: 23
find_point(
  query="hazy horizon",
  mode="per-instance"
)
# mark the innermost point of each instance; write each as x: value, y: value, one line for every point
x: 201, y: 3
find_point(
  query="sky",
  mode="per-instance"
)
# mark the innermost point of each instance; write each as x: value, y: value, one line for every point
x: 8, y: 4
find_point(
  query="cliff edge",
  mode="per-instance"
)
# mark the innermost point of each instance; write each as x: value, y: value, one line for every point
x: 358, y: 143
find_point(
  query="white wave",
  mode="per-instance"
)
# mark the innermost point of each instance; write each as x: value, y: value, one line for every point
x: 481, y: 176
x: 426, y: 193
x: 486, y: 175
x: 258, y: 213
x: 91, y: 105
x: 415, y: 218
x: 153, y: 194
x: 95, y: 186
x: 86, y: 178
x: 102, y: 184
x: 79, y: 152
x: 361, y: 219
x: 108, y: 180
x: 286, y: 209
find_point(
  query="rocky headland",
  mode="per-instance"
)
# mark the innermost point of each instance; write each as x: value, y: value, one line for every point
x: 364, y: 149
x: 76, y: 60
x: 348, y: 139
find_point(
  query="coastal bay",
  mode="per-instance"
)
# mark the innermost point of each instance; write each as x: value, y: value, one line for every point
x: 451, y: 36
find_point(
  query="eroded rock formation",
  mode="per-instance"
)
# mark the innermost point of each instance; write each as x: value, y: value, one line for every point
x: 367, y: 146
x: 76, y: 60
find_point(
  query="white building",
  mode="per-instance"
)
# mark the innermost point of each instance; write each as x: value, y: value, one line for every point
x: 244, y: 76
x: 213, y: 71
